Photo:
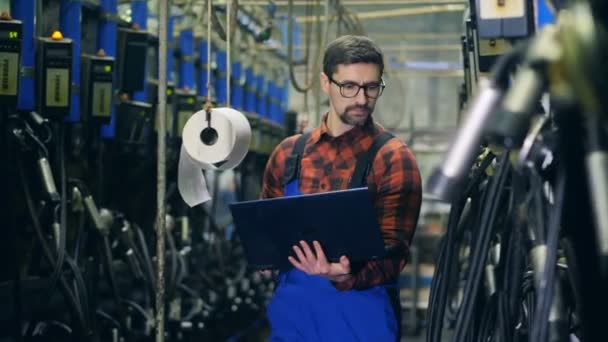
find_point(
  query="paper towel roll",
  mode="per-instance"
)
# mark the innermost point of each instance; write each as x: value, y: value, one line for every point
x: 226, y: 152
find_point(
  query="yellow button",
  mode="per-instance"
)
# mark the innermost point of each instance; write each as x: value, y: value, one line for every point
x: 57, y: 35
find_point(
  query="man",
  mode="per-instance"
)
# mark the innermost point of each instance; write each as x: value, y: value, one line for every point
x: 323, y: 301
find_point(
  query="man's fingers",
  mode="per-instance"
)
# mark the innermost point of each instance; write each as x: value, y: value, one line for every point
x: 310, y: 256
x: 299, y: 254
x: 319, y: 251
x: 345, y: 263
x: 296, y: 264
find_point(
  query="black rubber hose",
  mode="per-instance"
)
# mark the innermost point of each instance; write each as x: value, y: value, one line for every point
x: 547, y: 279
x: 81, y: 287
x: 442, y: 278
x: 70, y: 299
x: 108, y: 260
x: 173, y: 276
x: 146, y: 255
x: 480, y: 249
x: 60, y: 151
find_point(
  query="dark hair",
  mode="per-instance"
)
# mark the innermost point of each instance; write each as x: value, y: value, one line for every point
x: 351, y: 49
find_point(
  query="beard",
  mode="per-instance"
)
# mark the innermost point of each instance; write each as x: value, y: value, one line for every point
x: 356, y: 115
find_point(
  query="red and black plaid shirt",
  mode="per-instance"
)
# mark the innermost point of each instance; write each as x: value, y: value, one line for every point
x: 327, y: 165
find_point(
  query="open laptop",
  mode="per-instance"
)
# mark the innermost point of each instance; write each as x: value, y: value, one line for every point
x: 344, y: 222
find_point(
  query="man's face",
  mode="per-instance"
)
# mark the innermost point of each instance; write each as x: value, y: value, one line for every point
x: 352, y: 110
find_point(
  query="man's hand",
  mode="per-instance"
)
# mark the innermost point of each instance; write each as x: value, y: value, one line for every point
x: 316, y: 263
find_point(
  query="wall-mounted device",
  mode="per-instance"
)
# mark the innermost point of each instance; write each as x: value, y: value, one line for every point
x: 186, y: 104
x: 11, y: 32
x: 53, y: 76
x: 97, y: 88
x: 132, y: 57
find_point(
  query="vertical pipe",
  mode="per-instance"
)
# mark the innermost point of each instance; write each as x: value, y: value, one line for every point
x: 221, y: 83
x: 250, y: 93
x: 106, y: 40
x: 25, y: 10
x: 186, y: 66
x: 161, y: 117
x: 71, y: 12
x: 236, y: 86
x: 139, y: 15
x: 204, y: 61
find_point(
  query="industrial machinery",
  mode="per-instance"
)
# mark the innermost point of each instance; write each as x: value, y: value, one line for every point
x: 525, y: 250
x: 80, y: 89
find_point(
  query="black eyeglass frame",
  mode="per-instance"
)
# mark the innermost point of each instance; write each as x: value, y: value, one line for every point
x: 380, y: 84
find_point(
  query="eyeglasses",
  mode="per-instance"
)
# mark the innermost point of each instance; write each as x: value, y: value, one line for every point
x: 350, y: 89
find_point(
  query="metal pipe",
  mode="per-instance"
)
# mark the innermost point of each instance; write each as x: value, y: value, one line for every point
x: 351, y: 3
x: 394, y: 12
x: 161, y: 118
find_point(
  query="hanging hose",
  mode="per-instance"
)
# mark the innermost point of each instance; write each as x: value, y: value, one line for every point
x: 480, y: 248
x: 443, y: 276
x: 70, y: 298
x: 147, y: 261
x: 546, y: 283
x: 60, y: 134
x: 317, y: 60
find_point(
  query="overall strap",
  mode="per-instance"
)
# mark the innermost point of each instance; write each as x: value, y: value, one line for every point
x: 365, y: 160
x: 292, y: 163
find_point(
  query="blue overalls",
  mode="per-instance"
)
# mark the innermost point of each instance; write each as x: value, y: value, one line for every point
x: 310, y: 308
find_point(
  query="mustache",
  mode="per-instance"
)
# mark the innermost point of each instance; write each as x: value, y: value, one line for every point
x: 363, y: 108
